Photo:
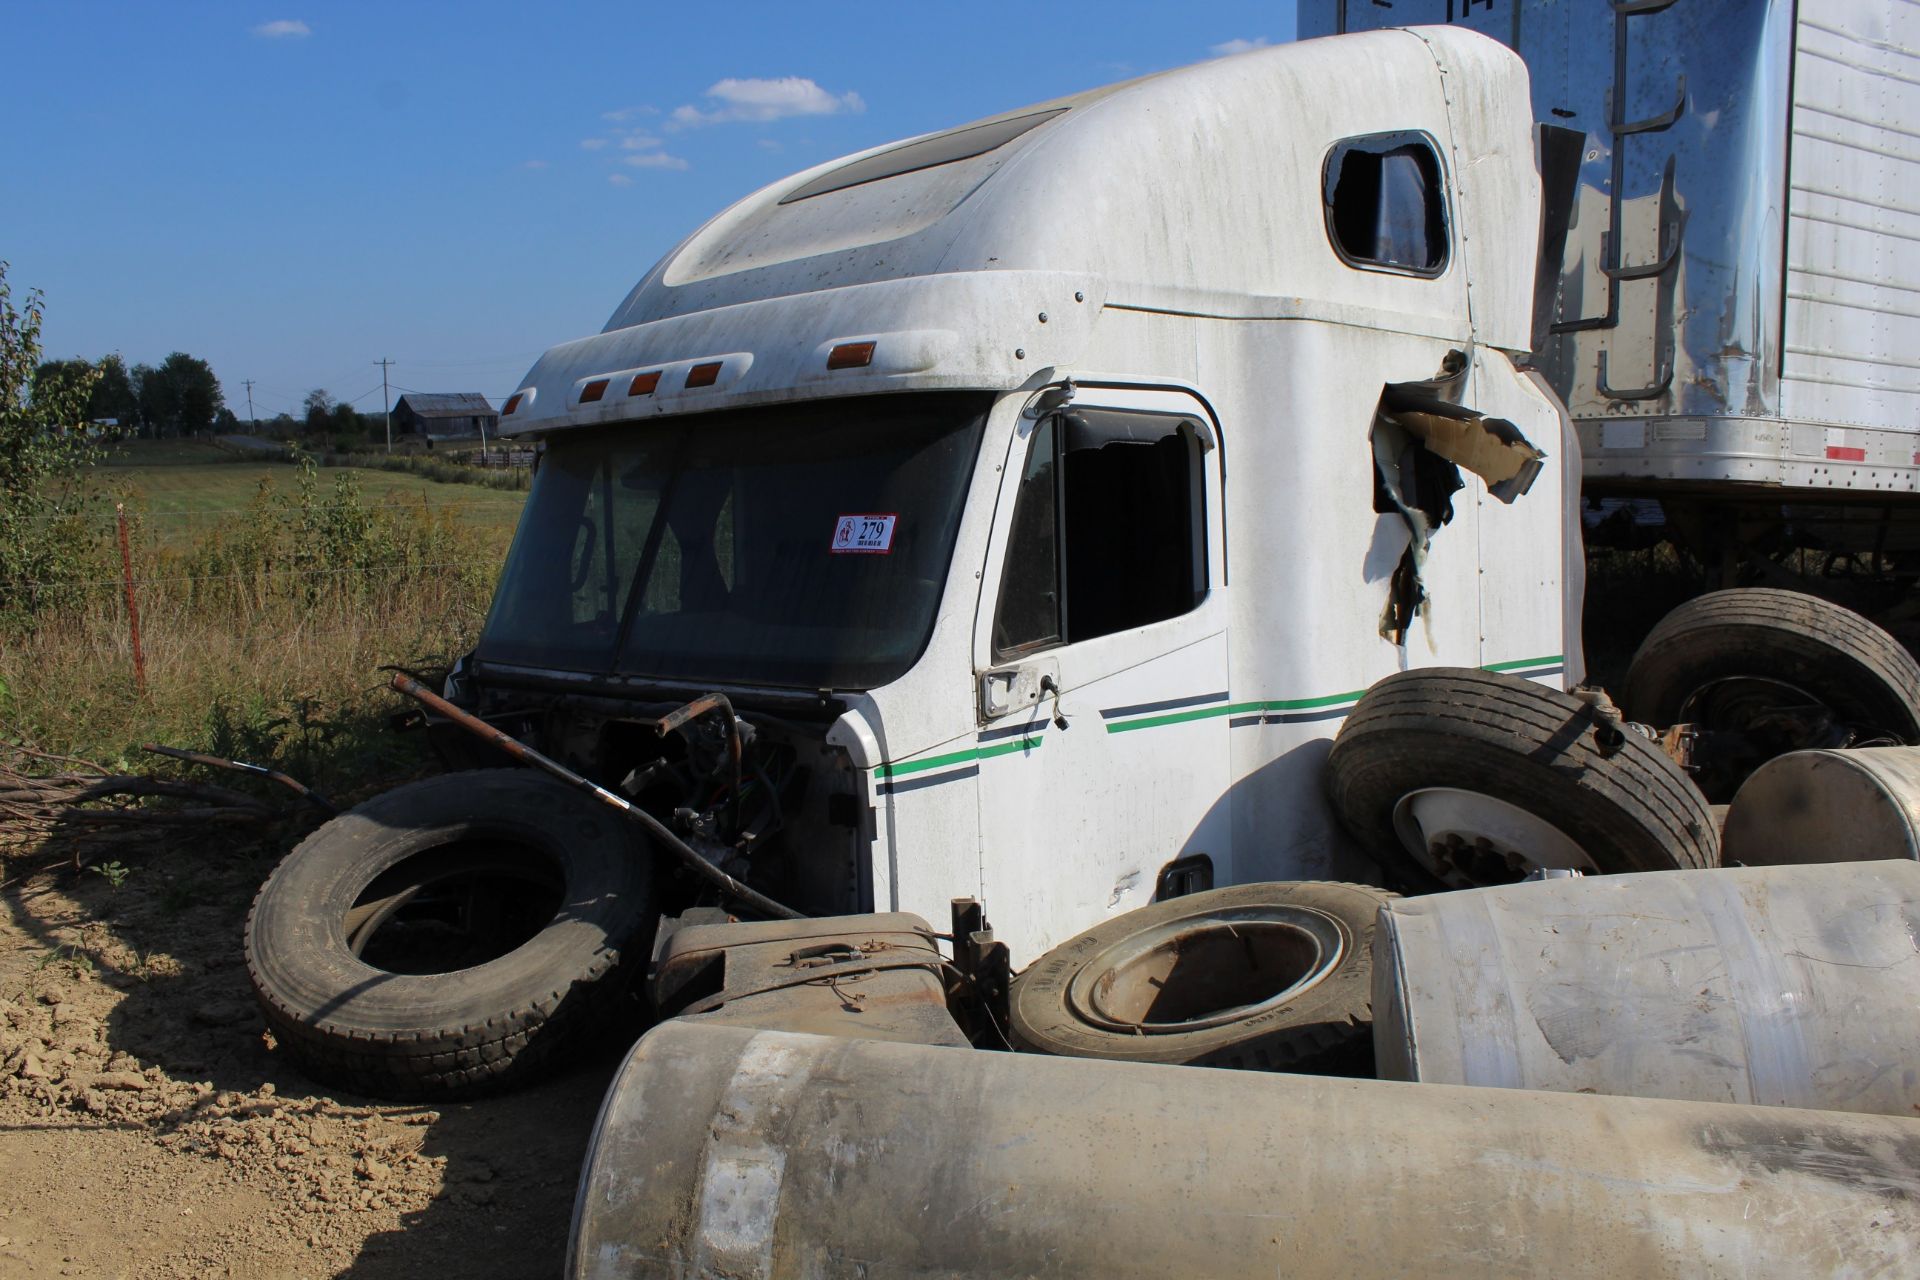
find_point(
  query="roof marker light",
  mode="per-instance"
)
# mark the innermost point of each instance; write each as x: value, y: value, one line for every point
x: 704, y: 375
x: 644, y: 383
x: 593, y: 390
x: 850, y: 355
x: 513, y: 402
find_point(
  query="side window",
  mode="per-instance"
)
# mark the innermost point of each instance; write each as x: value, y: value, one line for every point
x: 1386, y: 207
x: 1108, y: 533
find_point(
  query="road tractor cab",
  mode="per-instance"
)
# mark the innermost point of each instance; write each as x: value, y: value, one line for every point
x: 1015, y: 512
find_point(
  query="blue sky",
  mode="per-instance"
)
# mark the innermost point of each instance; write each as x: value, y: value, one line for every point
x: 292, y: 192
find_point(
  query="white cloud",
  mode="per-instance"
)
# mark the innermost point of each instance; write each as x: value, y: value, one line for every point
x: 283, y: 28
x: 768, y: 144
x: 639, y: 142
x: 1237, y: 46
x: 592, y: 144
x: 764, y: 100
x: 534, y: 164
x: 625, y: 114
x: 619, y: 180
x: 654, y: 160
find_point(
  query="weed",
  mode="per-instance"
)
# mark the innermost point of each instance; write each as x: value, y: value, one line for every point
x: 114, y: 873
x: 263, y: 640
x: 68, y: 954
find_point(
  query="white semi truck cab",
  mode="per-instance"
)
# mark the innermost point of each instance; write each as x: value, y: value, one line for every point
x: 1041, y: 494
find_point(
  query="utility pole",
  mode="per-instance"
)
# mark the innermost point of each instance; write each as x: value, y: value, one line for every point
x: 386, y: 400
x: 251, y: 421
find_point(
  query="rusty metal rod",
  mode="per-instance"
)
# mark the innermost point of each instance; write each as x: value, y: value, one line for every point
x: 133, y: 606
x: 301, y: 789
x: 520, y: 751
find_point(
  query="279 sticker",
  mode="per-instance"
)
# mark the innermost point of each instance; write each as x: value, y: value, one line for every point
x: 863, y: 535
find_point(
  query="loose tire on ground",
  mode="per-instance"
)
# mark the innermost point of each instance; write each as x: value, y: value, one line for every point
x: 1449, y: 731
x: 441, y: 872
x: 1272, y: 977
x: 1799, y: 646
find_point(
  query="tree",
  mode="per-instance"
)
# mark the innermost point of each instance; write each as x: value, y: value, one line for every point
x: 52, y: 378
x: 113, y: 394
x: 319, y: 409
x: 181, y: 397
x: 43, y: 450
x: 153, y: 400
x: 196, y: 391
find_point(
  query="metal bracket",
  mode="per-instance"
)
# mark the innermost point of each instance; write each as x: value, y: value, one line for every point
x: 1651, y: 124
x: 1669, y: 250
x: 1047, y: 399
x: 1663, y: 378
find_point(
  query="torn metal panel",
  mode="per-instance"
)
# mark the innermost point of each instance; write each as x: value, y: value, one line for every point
x: 1419, y: 485
x: 1491, y: 448
x: 1421, y: 438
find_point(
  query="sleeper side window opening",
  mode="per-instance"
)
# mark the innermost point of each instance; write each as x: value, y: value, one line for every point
x: 1386, y: 207
x: 796, y: 545
x: 1108, y: 530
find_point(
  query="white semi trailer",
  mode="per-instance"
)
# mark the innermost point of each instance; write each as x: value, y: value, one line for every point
x: 1737, y: 315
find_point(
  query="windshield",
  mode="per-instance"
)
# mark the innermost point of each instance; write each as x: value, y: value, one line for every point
x: 797, y: 545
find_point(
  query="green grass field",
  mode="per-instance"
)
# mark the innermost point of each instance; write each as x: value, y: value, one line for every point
x: 185, y: 489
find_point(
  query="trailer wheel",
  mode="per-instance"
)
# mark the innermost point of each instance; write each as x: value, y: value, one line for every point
x: 1456, y: 778
x: 450, y: 937
x: 1777, y: 671
x: 1271, y: 977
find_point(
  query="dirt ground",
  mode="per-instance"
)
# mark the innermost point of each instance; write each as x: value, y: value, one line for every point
x: 148, y: 1128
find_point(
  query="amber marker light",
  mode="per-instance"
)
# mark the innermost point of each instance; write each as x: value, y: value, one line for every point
x: 593, y: 390
x: 643, y: 383
x: 704, y: 375
x: 513, y: 402
x: 850, y: 355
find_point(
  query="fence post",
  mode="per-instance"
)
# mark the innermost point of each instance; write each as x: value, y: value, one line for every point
x: 133, y: 607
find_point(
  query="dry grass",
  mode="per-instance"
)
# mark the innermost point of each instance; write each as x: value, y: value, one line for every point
x: 263, y: 641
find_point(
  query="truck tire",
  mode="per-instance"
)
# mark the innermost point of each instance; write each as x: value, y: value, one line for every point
x: 451, y: 937
x: 1736, y: 660
x: 1453, y: 778
x: 1269, y: 977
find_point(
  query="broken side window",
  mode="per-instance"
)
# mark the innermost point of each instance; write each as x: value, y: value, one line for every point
x: 1108, y: 530
x: 1385, y: 204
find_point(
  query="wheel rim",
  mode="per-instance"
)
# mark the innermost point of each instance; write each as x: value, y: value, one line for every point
x: 1207, y: 969
x: 1774, y: 709
x: 1467, y: 839
x: 453, y: 907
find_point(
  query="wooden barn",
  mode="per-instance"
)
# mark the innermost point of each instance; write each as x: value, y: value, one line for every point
x: 458, y: 415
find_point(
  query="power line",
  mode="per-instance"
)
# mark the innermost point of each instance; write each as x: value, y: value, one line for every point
x: 467, y: 364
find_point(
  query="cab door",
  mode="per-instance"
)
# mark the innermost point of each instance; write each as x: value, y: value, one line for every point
x: 1100, y: 658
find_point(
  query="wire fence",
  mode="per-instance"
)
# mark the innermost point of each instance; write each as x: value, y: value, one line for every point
x: 398, y: 566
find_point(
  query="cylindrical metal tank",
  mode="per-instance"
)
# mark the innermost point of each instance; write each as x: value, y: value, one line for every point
x: 728, y: 1151
x: 1784, y: 986
x: 1827, y: 806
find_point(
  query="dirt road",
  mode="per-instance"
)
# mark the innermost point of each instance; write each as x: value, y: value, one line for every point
x: 148, y: 1128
